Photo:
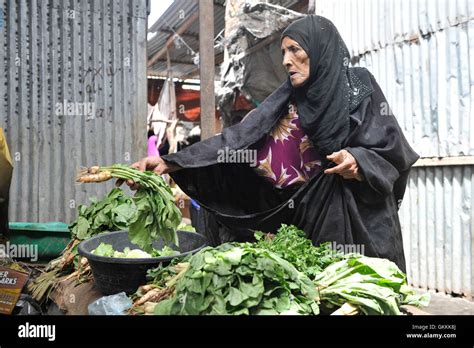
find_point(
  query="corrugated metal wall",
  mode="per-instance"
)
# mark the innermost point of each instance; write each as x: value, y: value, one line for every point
x: 422, y: 54
x: 90, y: 54
x: 437, y: 221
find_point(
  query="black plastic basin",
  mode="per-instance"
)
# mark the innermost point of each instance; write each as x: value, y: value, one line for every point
x: 114, y: 275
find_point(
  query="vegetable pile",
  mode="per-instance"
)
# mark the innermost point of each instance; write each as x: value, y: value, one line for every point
x: 107, y: 250
x: 375, y: 286
x: 241, y: 279
x: 292, y: 244
x: 281, y: 274
x: 149, y: 215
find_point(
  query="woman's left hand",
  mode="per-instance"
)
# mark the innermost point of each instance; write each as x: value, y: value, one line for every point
x: 346, y: 165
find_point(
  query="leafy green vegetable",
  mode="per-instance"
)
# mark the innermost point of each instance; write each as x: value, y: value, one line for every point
x: 161, y: 274
x: 410, y: 297
x: 186, y: 227
x: 107, y: 250
x: 376, y: 286
x: 273, y: 276
x: 114, y: 212
x: 150, y: 215
x: 157, y: 216
x: 165, y: 251
x: 293, y: 245
x: 240, y: 279
x: 104, y: 250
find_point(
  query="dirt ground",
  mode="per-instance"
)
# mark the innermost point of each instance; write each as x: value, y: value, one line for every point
x: 442, y: 304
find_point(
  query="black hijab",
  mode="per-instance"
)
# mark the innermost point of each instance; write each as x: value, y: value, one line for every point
x: 332, y: 90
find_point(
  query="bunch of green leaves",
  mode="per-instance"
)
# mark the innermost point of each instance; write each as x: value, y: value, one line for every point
x: 293, y: 245
x: 114, y: 212
x: 157, y: 217
x: 241, y: 279
x: 149, y: 215
x: 374, y: 285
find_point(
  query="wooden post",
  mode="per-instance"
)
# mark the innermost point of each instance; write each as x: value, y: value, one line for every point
x: 312, y: 7
x: 171, y: 129
x: 207, y: 67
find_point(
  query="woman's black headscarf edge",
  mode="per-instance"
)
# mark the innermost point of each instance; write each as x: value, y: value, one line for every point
x: 333, y: 90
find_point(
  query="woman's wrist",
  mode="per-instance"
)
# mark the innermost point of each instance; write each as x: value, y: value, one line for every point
x: 171, y: 167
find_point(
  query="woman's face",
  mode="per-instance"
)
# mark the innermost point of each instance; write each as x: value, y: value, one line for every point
x: 295, y: 61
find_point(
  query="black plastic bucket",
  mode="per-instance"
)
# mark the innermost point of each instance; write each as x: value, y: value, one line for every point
x: 114, y: 275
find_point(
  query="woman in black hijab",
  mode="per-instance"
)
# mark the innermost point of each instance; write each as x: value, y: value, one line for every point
x: 353, y: 199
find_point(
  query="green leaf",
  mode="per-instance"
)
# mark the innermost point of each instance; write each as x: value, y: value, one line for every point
x: 104, y: 250
x: 236, y: 297
x: 163, y: 307
x: 82, y: 228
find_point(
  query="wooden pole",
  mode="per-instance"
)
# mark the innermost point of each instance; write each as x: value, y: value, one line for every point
x: 206, y: 67
x: 312, y: 7
x: 171, y: 129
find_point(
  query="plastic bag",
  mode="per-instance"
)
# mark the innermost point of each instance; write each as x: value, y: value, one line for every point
x: 110, y: 305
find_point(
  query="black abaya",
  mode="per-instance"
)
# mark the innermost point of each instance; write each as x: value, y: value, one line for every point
x: 327, y: 207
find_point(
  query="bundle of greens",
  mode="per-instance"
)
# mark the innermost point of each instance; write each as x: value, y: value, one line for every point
x: 107, y: 250
x: 155, y: 215
x: 293, y: 245
x: 114, y: 212
x: 375, y: 286
x: 240, y: 279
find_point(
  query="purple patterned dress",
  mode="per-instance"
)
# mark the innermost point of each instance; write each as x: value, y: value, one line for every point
x: 287, y: 157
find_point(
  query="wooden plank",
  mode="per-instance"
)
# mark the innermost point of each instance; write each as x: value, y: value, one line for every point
x: 207, y: 67
x: 445, y: 161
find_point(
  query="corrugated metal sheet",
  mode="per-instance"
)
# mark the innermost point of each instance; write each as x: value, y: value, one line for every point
x: 438, y: 228
x: 422, y: 55
x: 55, y: 52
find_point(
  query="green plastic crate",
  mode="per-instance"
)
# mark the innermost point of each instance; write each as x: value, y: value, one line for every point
x: 51, y: 237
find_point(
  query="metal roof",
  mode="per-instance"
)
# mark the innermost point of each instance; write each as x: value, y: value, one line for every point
x: 182, y: 54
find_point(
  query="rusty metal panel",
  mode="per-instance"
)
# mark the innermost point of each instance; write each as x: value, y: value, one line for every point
x: 73, y: 83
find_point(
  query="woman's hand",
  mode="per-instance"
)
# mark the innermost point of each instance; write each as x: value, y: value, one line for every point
x: 346, y: 165
x: 154, y: 163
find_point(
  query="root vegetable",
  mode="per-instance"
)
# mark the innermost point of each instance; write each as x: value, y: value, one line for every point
x: 99, y: 177
x: 149, y: 307
x: 145, y: 288
x: 93, y: 170
x: 154, y: 295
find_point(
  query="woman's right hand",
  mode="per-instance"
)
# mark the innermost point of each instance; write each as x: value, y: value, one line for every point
x: 153, y: 163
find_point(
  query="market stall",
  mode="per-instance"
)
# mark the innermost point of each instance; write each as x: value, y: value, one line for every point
x: 157, y: 267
